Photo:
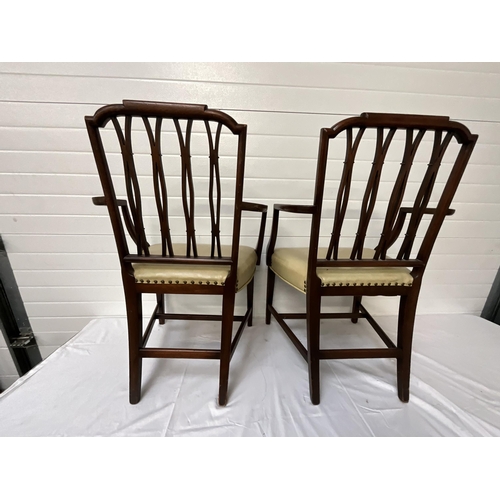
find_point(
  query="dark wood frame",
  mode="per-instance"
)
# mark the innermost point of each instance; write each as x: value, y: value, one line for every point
x: 14, y: 322
x: 131, y: 217
x: 393, y: 225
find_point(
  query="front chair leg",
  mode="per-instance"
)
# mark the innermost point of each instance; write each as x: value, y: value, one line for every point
x: 134, y: 320
x: 313, y: 305
x: 406, y: 321
x: 226, y: 337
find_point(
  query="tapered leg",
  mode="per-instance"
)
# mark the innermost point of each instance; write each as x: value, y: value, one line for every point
x: 250, y: 287
x: 160, y: 299
x: 134, y: 319
x: 356, y: 301
x: 226, y: 337
x: 406, y: 320
x: 270, y: 293
x: 313, y: 299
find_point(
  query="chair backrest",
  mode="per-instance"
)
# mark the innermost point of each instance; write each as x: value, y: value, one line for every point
x: 137, y: 146
x: 424, y: 158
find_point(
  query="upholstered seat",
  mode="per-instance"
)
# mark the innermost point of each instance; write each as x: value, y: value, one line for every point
x: 290, y: 264
x: 175, y: 274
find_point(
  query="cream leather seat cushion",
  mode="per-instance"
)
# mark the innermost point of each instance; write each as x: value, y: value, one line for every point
x: 178, y: 274
x: 290, y: 264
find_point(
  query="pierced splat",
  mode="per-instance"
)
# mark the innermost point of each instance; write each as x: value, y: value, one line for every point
x: 395, y: 214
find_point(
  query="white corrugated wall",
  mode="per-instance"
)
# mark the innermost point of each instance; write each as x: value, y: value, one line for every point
x: 61, y: 246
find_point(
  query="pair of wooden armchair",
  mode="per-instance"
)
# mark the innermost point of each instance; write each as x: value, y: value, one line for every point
x: 148, y: 192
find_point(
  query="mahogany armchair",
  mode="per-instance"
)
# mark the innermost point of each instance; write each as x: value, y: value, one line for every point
x: 181, y: 261
x: 363, y: 267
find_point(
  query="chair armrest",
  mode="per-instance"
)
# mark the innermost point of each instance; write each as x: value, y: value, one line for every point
x: 253, y: 207
x: 278, y: 207
x: 296, y: 209
x: 403, y: 211
x: 257, y: 207
x: 101, y: 201
x: 431, y: 211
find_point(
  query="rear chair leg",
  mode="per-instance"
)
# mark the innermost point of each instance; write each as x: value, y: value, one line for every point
x: 160, y: 299
x: 270, y: 293
x: 313, y: 327
x: 134, y: 319
x: 250, y: 288
x: 226, y: 337
x: 356, y: 302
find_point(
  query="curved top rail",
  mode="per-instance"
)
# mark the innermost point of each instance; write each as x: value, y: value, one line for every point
x: 163, y: 110
x: 373, y: 120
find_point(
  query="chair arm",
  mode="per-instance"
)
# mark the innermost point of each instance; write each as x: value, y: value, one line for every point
x: 253, y: 207
x: 296, y: 209
x: 101, y: 201
x: 403, y: 211
x: 431, y: 211
x: 257, y: 207
x: 278, y: 207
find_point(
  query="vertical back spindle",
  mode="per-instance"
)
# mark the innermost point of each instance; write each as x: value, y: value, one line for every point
x: 159, y: 184
x: 132, y: 183
x: 371, y: 191
x: 214, y: 172
x: 187, y: 185
x: 344, y: 189
x: 398, y: 191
